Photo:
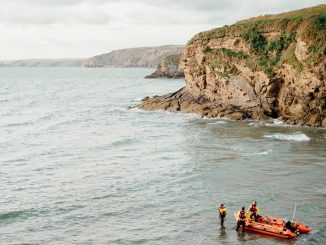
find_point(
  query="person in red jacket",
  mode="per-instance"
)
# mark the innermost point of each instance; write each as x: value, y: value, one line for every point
x: 253, y: 211
x: 241, y: 219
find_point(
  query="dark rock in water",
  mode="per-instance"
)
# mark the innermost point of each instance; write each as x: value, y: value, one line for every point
x: 266, y: 67
x: 168, y: 67
x: 145, y: 98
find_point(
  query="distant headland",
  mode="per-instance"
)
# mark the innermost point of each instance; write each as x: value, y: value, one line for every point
x: 166, y: 58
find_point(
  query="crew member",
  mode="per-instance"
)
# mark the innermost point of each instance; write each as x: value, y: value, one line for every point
x: 222, y: 213
x: 253, y: 211
x: 287, y: 224
x: 242, y: 219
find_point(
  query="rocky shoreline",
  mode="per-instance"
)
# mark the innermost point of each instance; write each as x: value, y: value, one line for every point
x: 266, y: 68
x: 185, y: 101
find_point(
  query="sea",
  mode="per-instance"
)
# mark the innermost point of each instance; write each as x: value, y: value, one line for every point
x: 78, y: 166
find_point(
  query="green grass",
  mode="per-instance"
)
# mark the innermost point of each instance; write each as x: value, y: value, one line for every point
x: 290, y: 58
x: 269, y: 54
x: 301, y: 13
x: 256, y: 40
x: 234, y: 54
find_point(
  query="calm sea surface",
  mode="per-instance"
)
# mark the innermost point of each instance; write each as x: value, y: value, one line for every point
x: 78, y: 167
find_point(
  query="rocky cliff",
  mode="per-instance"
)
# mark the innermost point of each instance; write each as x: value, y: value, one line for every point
x: 266, y: 67
x: 168, y: 67
x: 133, y: 57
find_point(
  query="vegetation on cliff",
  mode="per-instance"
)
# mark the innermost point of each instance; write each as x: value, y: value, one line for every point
x: 270, y: 53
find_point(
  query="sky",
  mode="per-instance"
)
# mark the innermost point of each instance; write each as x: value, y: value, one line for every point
x: 84, y: 28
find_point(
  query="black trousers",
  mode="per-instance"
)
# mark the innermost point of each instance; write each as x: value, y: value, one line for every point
x: 222, y: 217
x: 253, y: 216
x: 241, y: 222
x: 289, y: 226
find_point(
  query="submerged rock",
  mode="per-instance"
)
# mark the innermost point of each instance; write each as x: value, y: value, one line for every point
x: 262, y: 68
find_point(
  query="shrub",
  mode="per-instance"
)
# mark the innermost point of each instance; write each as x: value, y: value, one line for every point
x: 255, y: 39
x: 234, y: 54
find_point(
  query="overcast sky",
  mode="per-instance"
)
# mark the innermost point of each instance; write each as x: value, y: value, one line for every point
x: 84, y: 28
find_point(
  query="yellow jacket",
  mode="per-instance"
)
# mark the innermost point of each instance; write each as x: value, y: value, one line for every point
x: 222, y: 211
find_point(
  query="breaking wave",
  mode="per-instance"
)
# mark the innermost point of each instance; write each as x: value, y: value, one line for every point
x: 294, y: 137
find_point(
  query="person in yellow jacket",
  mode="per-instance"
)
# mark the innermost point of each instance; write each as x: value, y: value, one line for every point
x: 222, y: 213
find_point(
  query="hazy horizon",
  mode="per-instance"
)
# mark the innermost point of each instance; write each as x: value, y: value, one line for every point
x: 45, y: 29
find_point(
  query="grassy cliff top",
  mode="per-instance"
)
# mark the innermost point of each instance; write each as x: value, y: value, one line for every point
x: 306, y: 12
x: 311, y: 21
x: 267, y: 54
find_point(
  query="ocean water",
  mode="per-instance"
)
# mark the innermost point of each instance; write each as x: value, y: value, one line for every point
x: 78, y: 167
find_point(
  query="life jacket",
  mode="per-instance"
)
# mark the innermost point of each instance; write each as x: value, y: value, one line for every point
x: 242, y: 215
x: 253, y: 209
x: 250, y: 209
x: 222, y: 211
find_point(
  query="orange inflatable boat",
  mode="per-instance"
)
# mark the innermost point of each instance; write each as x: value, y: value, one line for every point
x: 279, y: 222
x: 268, y: 229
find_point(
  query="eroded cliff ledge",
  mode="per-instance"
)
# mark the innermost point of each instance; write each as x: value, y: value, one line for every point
x: 265, y: 67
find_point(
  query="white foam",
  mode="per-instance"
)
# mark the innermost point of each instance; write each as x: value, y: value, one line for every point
x: 263, y: 152
x: 274, y: 123
x: 278, y: 122
x: 138, y: 99
x: 136, y: 109
x: 258, y: 153
x: 321, y: 190
x: 218, y: 122
x: 294, y: 137
x: 118, y: 109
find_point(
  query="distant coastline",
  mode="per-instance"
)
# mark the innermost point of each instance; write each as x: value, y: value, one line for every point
x: 123, y: 58
x: 134, y: 57
x: 68, y: 62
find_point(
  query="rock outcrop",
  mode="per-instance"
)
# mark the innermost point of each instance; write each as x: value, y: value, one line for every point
x: 133, y: 57
x: 267, y: 67
x: 168, y: 67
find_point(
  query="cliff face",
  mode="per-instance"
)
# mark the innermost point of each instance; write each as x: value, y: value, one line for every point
x: 266, y: 67
x: 168, y: 67
x: 133, y: 57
